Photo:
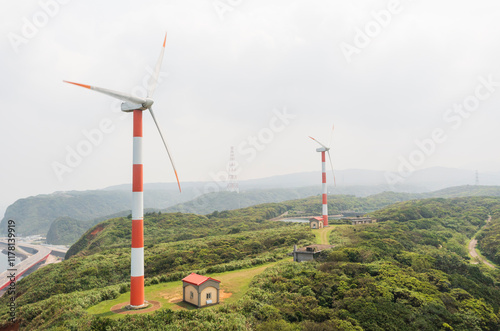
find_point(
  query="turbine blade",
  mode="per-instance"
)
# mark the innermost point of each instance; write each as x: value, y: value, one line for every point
x: 166, y: 147
x: 115, y: 94
x: 333, y: 173
x: 153, y: 80
x: 318, y: 142
x: 331, y: 136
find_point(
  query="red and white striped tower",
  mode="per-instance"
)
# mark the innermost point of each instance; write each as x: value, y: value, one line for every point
x: 325, y: 203
x: 137, y: 105
x: 323, y: 150
x: 137, y: 254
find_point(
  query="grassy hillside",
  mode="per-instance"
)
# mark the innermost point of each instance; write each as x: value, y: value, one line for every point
x: 410, y: 271
x: 160, y: 227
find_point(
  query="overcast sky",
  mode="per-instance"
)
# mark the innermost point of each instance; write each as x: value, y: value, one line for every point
x: 385, y: 73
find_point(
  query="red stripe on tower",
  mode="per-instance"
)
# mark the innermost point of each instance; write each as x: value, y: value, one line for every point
x: 137, y: 179
x: 137, y: 228
x: 137, y: 287
x: 137, y: 123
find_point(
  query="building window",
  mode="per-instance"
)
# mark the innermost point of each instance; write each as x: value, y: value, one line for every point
x: 209, y: 296
x: 191, y: 295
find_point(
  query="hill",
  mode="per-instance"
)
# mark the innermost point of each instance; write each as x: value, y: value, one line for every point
x: 409, y: 271
x: 211, y: 202
x: 309, y: 205
x: 40, y: 211
x: 34, y: 215
x: 218, y: 201
x: 466, y: 191
x: 65, y: 230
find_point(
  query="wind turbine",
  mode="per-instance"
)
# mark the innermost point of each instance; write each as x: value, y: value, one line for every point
x: 323, y: 149
x: 137, y: 105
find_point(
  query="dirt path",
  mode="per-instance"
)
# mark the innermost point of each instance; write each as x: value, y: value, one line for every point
x: 323, y: 235
x: 472, y: 250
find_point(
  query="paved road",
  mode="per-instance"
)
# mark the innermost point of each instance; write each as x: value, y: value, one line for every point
x: 42, y: 253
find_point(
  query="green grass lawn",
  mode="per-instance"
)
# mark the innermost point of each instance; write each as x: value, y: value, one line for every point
x: 234, y: 284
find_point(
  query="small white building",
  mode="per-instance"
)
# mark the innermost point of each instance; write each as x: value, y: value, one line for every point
x: 200, y: 291
x: 316, y: 223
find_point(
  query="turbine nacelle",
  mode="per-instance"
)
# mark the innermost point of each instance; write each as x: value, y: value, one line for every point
x: 322, y: 149
x: 131, y: 106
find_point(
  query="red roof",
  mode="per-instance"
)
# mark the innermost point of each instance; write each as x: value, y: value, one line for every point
x: 196, y: 279
x: 317, y: 218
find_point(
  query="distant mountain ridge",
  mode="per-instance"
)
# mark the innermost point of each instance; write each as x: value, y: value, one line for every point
x: 33, y: 215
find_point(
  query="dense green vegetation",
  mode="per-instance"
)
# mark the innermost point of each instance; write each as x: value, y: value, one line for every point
x: 168, y: 261
x: 227, y: 201
x: 410, y: 271
x: 65, y: 231
x: 489, y: 239
x: 34, y: 215
x: 160, y: 227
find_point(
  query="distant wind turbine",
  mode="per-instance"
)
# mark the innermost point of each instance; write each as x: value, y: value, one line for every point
x: 137, y: 105
x: 324, y: 149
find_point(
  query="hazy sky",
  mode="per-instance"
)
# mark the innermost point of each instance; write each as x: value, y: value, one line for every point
x: 386, y: 73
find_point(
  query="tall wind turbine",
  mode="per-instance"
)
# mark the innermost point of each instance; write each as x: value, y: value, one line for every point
x: 137, y: 105
x: 323, y: 149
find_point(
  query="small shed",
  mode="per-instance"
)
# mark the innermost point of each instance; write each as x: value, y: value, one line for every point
x: 316, y: 223
x: 308, y: 253
x: 200, y: 291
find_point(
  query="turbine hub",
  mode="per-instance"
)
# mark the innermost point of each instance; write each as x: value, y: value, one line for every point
x: 149, y: 102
